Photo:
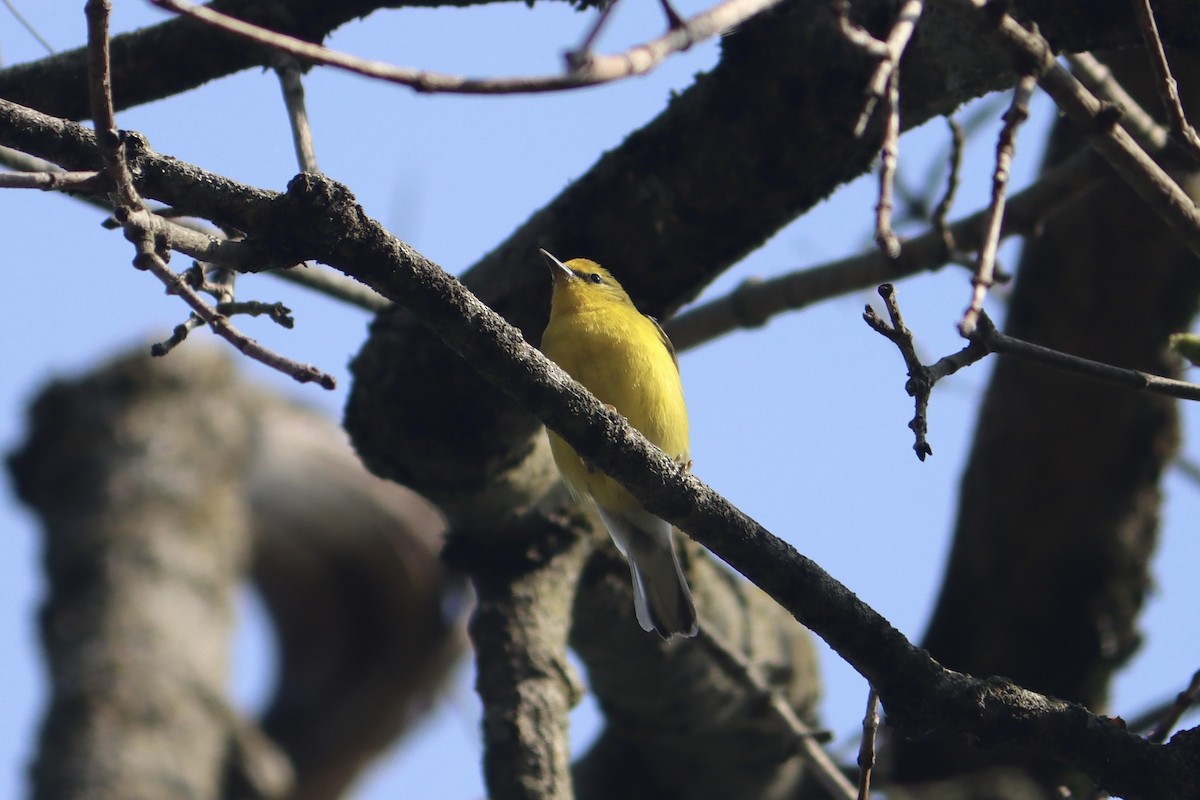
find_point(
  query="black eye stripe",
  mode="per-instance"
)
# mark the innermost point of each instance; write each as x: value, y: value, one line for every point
x: 590, y: 277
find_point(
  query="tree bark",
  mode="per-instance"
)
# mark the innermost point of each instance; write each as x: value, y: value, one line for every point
x: 135, y: 471
x: 158, y: 483
x: 1059, y: 507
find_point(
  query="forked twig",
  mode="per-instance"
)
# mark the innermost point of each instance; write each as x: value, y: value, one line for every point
x: 986, y: 339
x: 1168, y: 89
x: 144, y: 228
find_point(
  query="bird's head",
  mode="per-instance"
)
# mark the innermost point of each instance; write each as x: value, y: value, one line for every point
x: 581, y: 281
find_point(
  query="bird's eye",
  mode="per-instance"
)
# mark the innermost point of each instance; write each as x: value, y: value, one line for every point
x: 595, y: 277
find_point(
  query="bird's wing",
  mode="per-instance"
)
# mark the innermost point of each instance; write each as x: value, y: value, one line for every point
x: 662, y: 337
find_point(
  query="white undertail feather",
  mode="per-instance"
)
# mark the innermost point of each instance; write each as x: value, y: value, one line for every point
x: 661, y: 598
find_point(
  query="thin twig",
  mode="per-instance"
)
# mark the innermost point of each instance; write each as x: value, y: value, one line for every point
x: 28, y: 26
x: 889, y: 158
x: 986, y: 339
x: 674, y: 20
x: 957, y: 140
x: 199, y: 243
x: 1167, y: 87
x: 178, y: 334
x: 112, y: 146
x: 153, y: 262
x: 921, y: 379
x: 578, y: 57
x: 278, y: 313
x: 334, y: 285
x: 288, y: 70
x: 755, y: 301
x: 884, y: 85
x: 856, y: 35
x: 1098, y: 78
x: 889, y: 52
x: 1183, y: 701
x: 1002, y: 344
x: 985, y: 268
x: 866, y: 750
x: 1095, y: 119
x: 143, y: 227
x: 595, y: 69
x: 217, y: 284
x: 60, y: 181
x: 807, y: 741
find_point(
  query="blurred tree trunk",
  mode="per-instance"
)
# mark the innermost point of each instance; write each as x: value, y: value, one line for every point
x: 1059, y: 507
x: 135, y: 473
x: 157, y: 482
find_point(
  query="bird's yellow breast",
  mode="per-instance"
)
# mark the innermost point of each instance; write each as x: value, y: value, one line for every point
x: 623, y: 358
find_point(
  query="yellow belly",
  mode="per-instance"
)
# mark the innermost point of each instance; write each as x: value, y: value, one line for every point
x: 641, y: 382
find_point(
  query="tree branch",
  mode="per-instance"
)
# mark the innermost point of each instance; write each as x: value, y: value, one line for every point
x: 1097, y: 122
x: 754, y: 302
x: 919, y: 694
x: 181, y: 54
x: 588, y: 70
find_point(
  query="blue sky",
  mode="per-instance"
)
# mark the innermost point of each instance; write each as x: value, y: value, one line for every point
x: 454, y: 175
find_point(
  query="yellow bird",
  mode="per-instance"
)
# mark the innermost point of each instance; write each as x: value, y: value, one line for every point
x: 597, y: 335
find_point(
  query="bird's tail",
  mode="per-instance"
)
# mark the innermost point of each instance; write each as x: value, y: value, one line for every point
x: 661, y: 597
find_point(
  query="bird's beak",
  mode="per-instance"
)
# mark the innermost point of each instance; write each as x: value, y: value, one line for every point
x: 558, y: 269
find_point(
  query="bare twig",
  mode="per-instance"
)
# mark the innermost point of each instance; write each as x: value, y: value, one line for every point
x: 921, y: 379
x: 178, y: 334
x: 219, y: 287
x: 866, y: 750
x: 1099, y: 79
x: 288, y: 70
x: 889, y: 157
x: 27, y: 25
x: 884, y: 85
x: 807, y: 741
x: 578, y: 57
x: 985, y: 267
x: 334, y: 285
x: 997, y: 342
x: 1167, y: 87
x: 1183, y: 701
x: 198, y: 242
x: 987, y: 339
x: 278, y: 313
x: 856, y: 35
x: 754, y: 302
x: 1095, y: 119
x: 957, y: 140
x: 57, y: 180
x: 889, y: 52
x: 673, y: 19
x: 144, y: 228
x: 589, y: 71
x: 153, y: 262
x: 112, y: 146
